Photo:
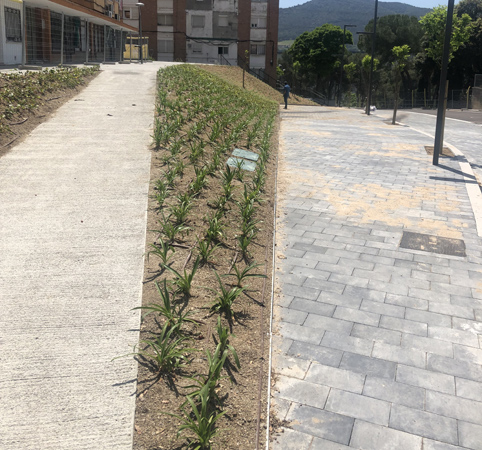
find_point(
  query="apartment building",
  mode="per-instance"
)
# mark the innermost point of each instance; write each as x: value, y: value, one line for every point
x: 211, y: 31
x: 50, y: 32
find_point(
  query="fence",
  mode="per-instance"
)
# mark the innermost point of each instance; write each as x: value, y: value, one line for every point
x: 456, y: 99
x: 132, y: 46
x: 55, y: 38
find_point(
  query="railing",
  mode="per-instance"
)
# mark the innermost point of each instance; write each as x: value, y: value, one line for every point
x: 223, y: 61
x: 260, y: 76
x: 456, y: 99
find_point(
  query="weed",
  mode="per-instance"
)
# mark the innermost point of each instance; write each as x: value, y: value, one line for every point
x: 224, y: 347
x: 167, y: 349
x: 181, y: 210
x: 171, y: 230
x: 173, y: 316
x: 215, y: 228
x: 162, y: 250
x: 227, y: 175
x: 205, y: 249
x: 200, y: 421
x: 184, y: 281
x: 200, y: 180
x: 244, y: 241
x: 224, y: 300
x: 245, y: 273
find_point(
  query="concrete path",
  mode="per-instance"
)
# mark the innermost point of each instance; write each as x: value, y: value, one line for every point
x: 73, y: 200
x: 377, y: 346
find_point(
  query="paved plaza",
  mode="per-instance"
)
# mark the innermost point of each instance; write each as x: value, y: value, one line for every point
x: 377, y: 346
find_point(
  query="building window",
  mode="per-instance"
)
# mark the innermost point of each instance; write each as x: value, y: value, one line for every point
x: 257, y: 49
x: 197, y: 21
x: 165, y: 46
x: 131, y: 13
x: 223, y: 50
x: 258, y: 22
x: 197, y: 48
x: 13, y: 27
x: 223, y: 21
x: 165, y: 20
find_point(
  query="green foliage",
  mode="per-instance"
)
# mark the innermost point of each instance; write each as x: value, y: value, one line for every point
x: 392, y: 31
x: 224, y: 348
x: 366, y: 63
x: 401, y: 55
x: 161, y: 250
x: 181, y: 210
x: 174, y: 316
x: 24, y: 91
x: 205, y: 249
x: 171, y: 230
x: 245, y: 273
x: 225, y: 298
x: 317, y: 51
x: 433, y: 25
x: 167, y: 350
x: 200, y: 421
x: 471, y: 7
x: 184, y: 281
x: 215, y: 228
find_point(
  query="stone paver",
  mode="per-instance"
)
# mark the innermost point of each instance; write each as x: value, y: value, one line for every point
x: 73, y: 199
x: 393, y: 334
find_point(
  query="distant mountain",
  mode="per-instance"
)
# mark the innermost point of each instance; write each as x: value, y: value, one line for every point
x: 298, y: 19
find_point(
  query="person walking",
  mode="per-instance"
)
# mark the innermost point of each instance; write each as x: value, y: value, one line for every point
x: 286, y: 93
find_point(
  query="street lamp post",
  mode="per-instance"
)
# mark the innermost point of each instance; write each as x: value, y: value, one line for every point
x: 342, y: 61
x: 373, y: 57
x: 140, y: 5
x: 442, y: 96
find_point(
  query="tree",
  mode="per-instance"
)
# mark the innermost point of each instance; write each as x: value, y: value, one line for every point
x: 401, y: 54
x: 318, y: 53
x: 468, y: 60
x: 393, y: 30
x: 366, y: 67
x: 434, y: 24
x: 471, y: 7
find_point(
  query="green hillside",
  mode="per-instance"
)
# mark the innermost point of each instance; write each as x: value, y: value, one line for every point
x: 298, y: 19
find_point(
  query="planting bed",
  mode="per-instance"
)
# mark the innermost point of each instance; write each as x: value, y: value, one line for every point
x: 27, y: 98
x: 201, y: 120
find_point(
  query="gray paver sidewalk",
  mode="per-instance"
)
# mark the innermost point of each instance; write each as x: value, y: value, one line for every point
x: 376, y: 346
x: 73, y: 199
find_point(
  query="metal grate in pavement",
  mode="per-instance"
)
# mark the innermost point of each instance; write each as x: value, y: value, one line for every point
x: 433, y: 244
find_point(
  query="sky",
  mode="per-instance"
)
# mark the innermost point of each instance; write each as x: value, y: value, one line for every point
x: 419, y: 3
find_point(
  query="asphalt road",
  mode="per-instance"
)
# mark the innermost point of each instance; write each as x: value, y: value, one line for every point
x: 469, y: 115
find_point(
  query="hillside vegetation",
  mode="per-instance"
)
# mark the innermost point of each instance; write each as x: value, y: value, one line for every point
x: 234, y: 75
x: 298, y: 19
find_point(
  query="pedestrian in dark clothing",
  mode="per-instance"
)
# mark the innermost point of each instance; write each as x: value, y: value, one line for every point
x: 286, y: 93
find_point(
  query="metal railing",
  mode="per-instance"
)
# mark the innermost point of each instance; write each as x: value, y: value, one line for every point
x: 263, y: 76
x: 456, y: 99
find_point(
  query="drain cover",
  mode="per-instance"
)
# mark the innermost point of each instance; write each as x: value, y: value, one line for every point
x: 445, y: 151
x: 250, y: 166
x: 245, y: 154
x: 433, y: 244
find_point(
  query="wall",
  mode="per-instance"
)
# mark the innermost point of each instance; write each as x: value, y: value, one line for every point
x: 272, y: 41
x: 180, y: 27
x: 164, y: 32
x: 11, y: 52
x: 244, y: 27
x: 226, y: 32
